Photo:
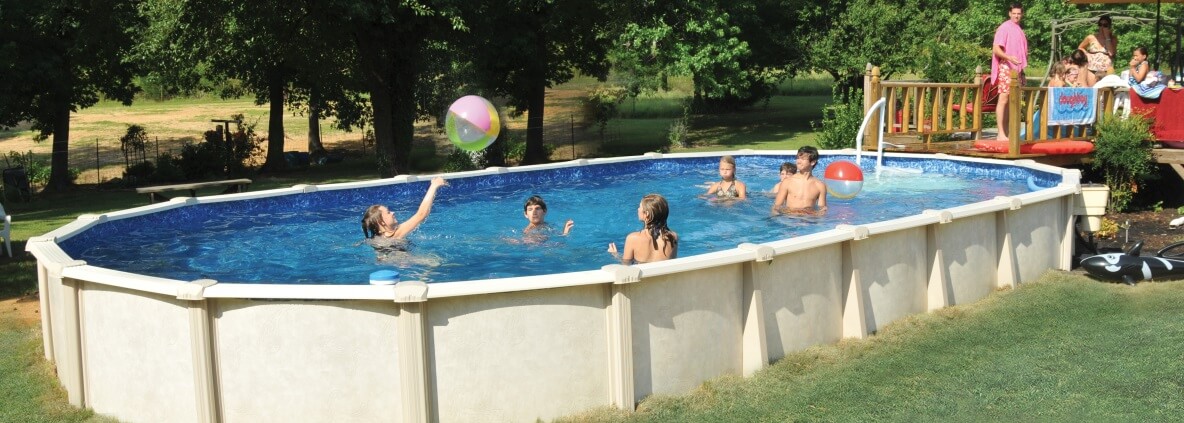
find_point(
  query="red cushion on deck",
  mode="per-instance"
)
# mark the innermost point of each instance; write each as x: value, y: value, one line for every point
x: 1049, y: 147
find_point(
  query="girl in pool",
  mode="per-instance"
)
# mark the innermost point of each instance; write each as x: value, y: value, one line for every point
x: 655, y: 242
x: 728, y: 186
x: 379, y: 222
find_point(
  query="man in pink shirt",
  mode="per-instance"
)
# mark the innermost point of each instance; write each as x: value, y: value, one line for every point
x: 1010, y: 53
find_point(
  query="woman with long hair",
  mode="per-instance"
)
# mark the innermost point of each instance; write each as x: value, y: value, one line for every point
x: 655, y: 241
x: 1100, y: 48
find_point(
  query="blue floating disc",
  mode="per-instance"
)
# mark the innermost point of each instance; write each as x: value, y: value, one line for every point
x: 384, y: 277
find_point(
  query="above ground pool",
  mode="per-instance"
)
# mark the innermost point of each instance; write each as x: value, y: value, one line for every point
x: 257, y: 307
x: 474, y: 231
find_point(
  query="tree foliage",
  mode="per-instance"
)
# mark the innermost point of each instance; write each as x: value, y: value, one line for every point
x: 61, y: 56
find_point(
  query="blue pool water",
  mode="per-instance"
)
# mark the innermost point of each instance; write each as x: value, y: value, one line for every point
x: 474, y: 231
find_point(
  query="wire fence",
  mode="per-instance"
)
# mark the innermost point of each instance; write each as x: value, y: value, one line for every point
x: 101, y: 160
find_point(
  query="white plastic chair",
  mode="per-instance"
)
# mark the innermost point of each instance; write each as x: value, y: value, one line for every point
x: 6, y: 232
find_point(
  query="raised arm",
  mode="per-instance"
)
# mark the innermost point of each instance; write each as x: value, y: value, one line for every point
x: 425, y: 208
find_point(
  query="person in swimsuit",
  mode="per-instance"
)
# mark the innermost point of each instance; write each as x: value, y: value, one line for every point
x: 655, y: 242
x: 728, y: 187
x: 537, y: 229
x: 1100, y: 48
x: 787, y: 169
x: 802, y: 193
x: 1009, y: 52
x: 378, y: 222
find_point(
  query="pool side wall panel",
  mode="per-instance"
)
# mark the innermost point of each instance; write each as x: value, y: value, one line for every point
x: 137, y: 357
x: 968, y: 249
x: 802, y: 299
x: 892, y: 275
x: 1037, y: 233
x: 342, y: 355
x: 686, y: 329
x: 518, y: 356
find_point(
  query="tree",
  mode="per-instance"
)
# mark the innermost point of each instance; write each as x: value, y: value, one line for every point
x: 391, y: 40
x: 735, y: 52
x: 59, y: 57
x: 550, y: 40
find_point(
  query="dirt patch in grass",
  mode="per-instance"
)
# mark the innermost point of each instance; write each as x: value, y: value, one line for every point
x: 27, y: 309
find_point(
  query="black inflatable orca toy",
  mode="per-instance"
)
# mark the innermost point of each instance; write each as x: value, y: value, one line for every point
x: 1129, y: 267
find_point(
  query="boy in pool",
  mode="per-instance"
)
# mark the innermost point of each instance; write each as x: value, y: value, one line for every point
x: 787, y: 169
x: 535, y: 211
x: 802, y: 193
x: 379, y: 222
x: 728, y: 186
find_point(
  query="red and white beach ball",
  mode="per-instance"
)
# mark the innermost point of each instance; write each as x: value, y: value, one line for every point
x: 843, y: 179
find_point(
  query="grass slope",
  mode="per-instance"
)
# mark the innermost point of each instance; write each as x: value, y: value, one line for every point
x: 1064, y: 349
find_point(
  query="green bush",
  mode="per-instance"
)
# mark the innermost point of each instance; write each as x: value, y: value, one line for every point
x: 840, y: 122
x: 458, y: 161
x: 168, y: 169
x: 200, y: 161
x: 1122, y: 152
x: 515, y: 149
x: 138, y: 173
x: 677, y: 134
x: 36, y: 170
x: 601, y: 105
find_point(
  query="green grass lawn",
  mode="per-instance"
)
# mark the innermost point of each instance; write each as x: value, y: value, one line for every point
x: 1066, y: 348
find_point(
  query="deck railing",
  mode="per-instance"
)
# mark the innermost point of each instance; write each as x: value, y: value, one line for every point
x: 926, y: 109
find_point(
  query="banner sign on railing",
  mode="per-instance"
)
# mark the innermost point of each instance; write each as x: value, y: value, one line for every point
x: 1072, y: 106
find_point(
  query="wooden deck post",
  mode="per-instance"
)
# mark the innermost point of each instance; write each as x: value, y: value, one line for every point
x: 978, y: 102
x: 1013, y: 115
x: 871, y: 94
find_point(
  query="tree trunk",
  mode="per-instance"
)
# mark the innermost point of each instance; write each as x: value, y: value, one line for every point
x: 535, y: 152
x: 59, y: 162
x: 389, y: 63
x: 275, y: 124
x: 403, y: 105
x: 315, y: 148
x: 384, y: 139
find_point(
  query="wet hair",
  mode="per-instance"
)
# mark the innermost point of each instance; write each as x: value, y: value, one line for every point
x: 789, y: 167
x: 811, y: 152
x: 728, y: 160
x: 372, y: 221
x: 1142, y: 50
x: 1078, y: 58
x: 534, y: 200
x: 657, y: 211
x: 1016, y: 5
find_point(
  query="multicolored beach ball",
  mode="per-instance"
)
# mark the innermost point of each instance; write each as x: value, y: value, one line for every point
x: 472, y: 123
x: 843, y: 179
